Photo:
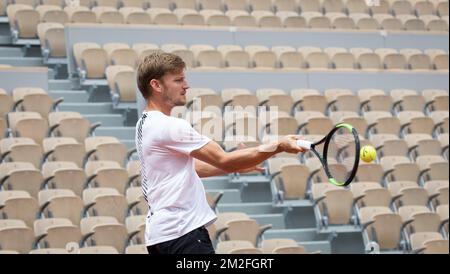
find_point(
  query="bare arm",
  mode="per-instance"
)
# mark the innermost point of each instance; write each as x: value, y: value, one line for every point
x: 236, y: 160
x: 206, y: 170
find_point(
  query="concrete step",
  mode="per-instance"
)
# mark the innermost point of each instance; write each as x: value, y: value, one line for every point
x: 118, y: 132
x: 10, y: 52
x: 276, y: 220
x: 89, y: 108
x: 129, y: 143
x: 323, y: 247
x: 217, y: 182
x: 51, y: 73
x: 70, y: 96
x: 5, y: 40
x: 22, y: 61
x: 249, y: 208
x: 107, y: 120
x: 299, y: 235
x: 60, y: 84
x: 229, y: 195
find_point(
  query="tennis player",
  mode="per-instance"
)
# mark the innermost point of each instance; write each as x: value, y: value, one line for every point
x: 173, y: 158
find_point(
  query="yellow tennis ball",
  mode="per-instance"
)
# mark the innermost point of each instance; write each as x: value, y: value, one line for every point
x: 368, y: 154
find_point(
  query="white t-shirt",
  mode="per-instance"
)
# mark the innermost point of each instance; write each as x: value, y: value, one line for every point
x: 170, y: 184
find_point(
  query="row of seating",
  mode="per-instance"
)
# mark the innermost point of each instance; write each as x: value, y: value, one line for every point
x: 262, y: 19
x: 23, y: 19
x: 258, y: 57
x: 25, y: 149
x: 56, y: 232
x: 419, y: 7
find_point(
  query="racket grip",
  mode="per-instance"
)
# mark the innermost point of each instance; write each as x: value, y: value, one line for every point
x: 304, y: 144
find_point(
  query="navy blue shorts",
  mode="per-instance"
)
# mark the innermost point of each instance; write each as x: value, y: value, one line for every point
x: 195, y: 242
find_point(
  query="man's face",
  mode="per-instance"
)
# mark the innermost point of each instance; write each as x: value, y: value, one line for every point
x: 174, y: 87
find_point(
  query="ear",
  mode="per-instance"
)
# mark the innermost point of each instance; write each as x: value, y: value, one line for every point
x: 156, y: 86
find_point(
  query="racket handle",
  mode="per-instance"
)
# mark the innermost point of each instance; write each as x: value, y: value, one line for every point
x: 304, y: 144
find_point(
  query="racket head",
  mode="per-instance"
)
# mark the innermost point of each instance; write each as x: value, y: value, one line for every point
x: 340, y: 156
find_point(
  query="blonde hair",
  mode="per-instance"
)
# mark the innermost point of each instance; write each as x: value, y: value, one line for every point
x: 155, y: 66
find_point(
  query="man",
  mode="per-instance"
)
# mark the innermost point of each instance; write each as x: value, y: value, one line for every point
x: 174, y: 157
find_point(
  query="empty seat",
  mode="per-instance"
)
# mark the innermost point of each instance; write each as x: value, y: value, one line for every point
x: 428, y: 243
x: 333, y: 204
x: 261, y: 56
x: 340, y: 20
x: 415, y: 122
x: 6, y: 102
x: 316, y: 20
x: 434, y: 23
x: 55, y: 232
x: 315, y: 58
x: 53, y: 43
x: 135, y: 15
x: 245, y: 229
x: 225, y: 247
x: 235, y: 5
x: 416, y: 59
x: 399, y: 168
x: 267, y: 19
x: 380, y: 224
x: 215, y: 18
x: 363, y: 21
x: 136, y: 228
x: 81, y: 15
x: 70, y: 124
x: 15, y: 235
x: 412, y: 23
x: 388, y: 22
x: 356, y: 6
x: 419, y: 219
x: 189, y: 17
x: 103, y: 231
x: 21, y: 149
x: 399, y: 7
x: 159, y: 4
x: 28, y: 124
x: 136, y: 249
x: 91, y: 60
x: 287, y: 184
x: 136, y: 202
x: 108, y: 15
x: 442, y: 8
x: 64, y: 175
x: 291, y: 19
x: 107, y: 174
x: 269, y: 245
x: 64, y: 149
x: 24, y: 20
x: 104, y: 202
x: 60, y: 203
x: 18, y: 204
x: 185, y: 4
x: 34, y: 100
x: 143, y: 49
x: 309, y: 5
x: 382, y: 6
x: 220, y: 224
x: 49, y: 13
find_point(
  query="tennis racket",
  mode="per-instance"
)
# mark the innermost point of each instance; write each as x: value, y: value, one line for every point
x: 340, y: 155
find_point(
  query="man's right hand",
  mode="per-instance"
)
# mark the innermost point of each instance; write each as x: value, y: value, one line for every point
x: 289, y: 144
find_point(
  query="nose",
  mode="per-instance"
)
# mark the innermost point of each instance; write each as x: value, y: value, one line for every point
x: 185, y: 85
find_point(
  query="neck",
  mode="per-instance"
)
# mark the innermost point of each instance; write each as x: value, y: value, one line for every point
x: 153, y: 105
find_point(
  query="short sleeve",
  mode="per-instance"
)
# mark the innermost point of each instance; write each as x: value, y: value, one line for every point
x: 183, y: 138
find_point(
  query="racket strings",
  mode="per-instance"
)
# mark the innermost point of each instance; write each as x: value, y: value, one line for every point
x: 340, y: 155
